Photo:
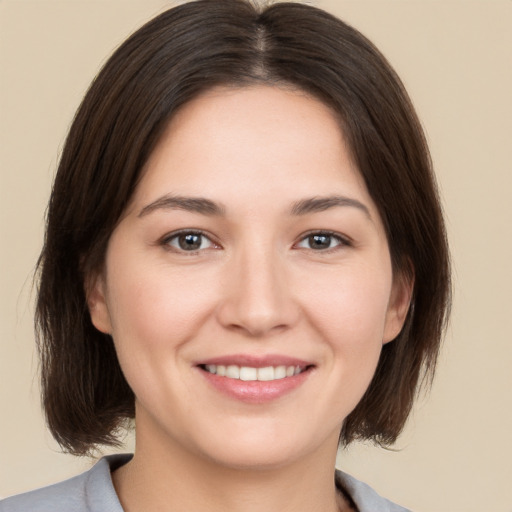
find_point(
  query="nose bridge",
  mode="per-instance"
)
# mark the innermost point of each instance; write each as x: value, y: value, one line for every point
x: 256, y: 297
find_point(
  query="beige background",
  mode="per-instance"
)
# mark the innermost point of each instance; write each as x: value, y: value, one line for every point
x: 455, y: 57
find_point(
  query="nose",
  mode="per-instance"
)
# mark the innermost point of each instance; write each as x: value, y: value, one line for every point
x: 256, y: 297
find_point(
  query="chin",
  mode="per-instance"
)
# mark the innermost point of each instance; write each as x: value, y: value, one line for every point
x: 257, y: 449
x: 254, y: 460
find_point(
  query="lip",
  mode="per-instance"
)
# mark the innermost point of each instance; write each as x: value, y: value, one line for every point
x: 256, y: 361
x: 255, y: 392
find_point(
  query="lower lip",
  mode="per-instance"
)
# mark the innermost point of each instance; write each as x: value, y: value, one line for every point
x: 255, y: 391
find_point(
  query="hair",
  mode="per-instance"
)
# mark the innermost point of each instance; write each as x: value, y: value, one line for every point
x: 168, y: 62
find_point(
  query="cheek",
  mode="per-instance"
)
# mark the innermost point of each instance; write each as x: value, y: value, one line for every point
x: 155, y: 306
x: 350, y: 307
x: 155, y: 312
x: 347, y: 313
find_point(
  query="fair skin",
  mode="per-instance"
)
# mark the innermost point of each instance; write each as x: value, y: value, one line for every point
x: 250, y: 242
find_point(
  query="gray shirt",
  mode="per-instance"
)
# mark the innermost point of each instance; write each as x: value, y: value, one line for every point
x: 93, y: 491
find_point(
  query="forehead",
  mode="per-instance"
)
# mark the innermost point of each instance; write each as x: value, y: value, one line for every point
x: 236, y: 142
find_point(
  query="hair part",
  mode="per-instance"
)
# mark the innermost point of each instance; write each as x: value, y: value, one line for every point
x: 167, y: 63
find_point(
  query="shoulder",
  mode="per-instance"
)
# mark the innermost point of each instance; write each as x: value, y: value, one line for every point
x: 364, y: 497
x: 91, y: 491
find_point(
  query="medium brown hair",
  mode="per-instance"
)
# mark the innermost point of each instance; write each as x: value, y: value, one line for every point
x: 168, y: 62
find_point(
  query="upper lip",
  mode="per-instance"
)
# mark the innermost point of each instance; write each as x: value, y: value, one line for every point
x: 254, y: 361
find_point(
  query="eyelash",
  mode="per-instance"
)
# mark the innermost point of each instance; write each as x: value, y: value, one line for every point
x: 167, y: 239
x: 342, y: 241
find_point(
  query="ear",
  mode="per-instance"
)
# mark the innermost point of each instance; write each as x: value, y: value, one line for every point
x: 95, y: 291
x: 399, y: 303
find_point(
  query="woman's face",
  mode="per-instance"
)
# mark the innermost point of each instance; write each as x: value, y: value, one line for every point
x: 248, y: 287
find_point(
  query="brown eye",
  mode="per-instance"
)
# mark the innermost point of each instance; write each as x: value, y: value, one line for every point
x: 321, y: 241
x: 189, y: 241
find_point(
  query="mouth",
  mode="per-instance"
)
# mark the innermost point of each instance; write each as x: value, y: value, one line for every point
x: 251, y: 373
x: 255, y: 380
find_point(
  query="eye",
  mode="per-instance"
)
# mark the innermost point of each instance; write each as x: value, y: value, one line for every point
x: 188, y: 241
x: 322, y: 241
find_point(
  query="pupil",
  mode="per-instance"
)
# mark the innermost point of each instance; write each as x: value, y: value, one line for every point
x: 320, y: 241
x: 190, y: 242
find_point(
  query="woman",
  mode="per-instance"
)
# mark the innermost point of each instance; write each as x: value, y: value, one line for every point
x: 245, y: 254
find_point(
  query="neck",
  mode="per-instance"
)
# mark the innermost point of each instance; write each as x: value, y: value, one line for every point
x: 171, y: 478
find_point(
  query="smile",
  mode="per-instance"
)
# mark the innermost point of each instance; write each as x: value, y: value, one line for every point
x: 248, y: 373
x: 255, y: 379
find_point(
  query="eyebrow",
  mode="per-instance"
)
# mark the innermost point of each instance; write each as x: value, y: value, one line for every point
x: 320, y: 204
x: 192, y: 204
x: 208, y: 207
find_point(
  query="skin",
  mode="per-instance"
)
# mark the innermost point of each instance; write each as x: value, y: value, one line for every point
x: 256, y: 286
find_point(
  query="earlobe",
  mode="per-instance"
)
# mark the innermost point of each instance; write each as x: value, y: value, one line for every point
x: 97, y: 303
x: 398, y: 307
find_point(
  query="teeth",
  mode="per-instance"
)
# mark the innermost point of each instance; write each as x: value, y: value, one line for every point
x: 266, y: 373
x: 279, y: 372
x: 248, y: 373
x: 233, y: 372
